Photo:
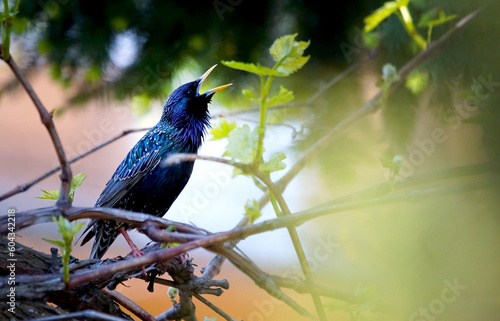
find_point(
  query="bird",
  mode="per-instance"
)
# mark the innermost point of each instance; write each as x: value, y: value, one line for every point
x: 140, y: 183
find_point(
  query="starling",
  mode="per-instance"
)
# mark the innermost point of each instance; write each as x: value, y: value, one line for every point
x: 140, y: 183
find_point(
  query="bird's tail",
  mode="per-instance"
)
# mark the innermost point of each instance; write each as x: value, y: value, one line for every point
x: 105, y: 233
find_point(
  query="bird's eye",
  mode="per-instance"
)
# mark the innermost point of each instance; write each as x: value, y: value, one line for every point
x: 190, y: 92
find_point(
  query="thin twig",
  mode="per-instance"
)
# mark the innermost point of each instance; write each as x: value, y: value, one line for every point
x: 46, y: 119
x: 24, y: 187
x: 213, y: 307
x: 80, y: 315
x: 296, y: 243
x: 262, y: 279
x: 129, y: 305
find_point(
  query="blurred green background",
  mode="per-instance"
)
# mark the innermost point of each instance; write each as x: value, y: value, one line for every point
x: 108, y: 66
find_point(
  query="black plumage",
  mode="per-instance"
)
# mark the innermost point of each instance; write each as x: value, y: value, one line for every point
x: 140, y: 183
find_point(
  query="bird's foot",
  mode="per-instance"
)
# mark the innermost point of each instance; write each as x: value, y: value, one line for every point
x: 135, y: 251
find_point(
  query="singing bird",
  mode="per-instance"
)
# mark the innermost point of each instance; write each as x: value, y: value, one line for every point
x: 141, y: 183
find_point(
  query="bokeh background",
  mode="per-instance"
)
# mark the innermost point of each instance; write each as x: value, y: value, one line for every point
x: 108, y: 66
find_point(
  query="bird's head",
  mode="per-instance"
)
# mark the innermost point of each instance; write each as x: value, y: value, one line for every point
x: 187, y: 107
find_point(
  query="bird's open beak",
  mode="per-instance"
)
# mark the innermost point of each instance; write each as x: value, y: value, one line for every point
x: 213, y: 90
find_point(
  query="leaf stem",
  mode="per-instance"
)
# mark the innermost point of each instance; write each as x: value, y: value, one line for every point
x: 6, y: 31
x: 265, y: 86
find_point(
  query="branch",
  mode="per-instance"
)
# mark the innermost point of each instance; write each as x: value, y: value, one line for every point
x: 44, y: 215
x: 81, y: 315
x: 213, y: 307
x: 296, y: 242
x: 262, y: 279
x: 46, y: 119
x: 129, y: 305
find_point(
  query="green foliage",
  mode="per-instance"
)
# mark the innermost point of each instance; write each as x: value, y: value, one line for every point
x: 246, y: 145
x: 76, y: 182
x: 289, y: 54
x: 242, y: 144
x: 6, y: 23
x: 284, y: 96
x: 393, y: 165
x: 400, y: 8
x: 169, y: 228
x: 223, y: 129
x: 275, y: 163
x: 382, y: 13
x: 252, y: 210
x: 427, y: 21
x: 371, y: 39
x: 252, y: 68
x: 417, y: 81
x: 67, y: 231
x: 172, y: 294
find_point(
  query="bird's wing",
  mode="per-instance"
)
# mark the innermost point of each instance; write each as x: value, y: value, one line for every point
x: 141, y: 159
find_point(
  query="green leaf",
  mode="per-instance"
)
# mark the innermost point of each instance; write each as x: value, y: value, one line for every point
x: 252, y: 209
x: 405, y: 16
x: 249, y: 94
x: 252, y: 68
x: 443, y: 18
x: 58, y: 243
x: 77, y: 181
x: 286, y: 47
x: 242, y: 144
x: 289, y: 66
x: 172, y: 293
x: 67, y: 231
x: 288, y: 54
x: 417, y: 81
x: 275, y: 163
x: 49, y: 195
x: 379, y: 15
x: 170, y: 228
x: 282, y: 97
x: 393, y: 165
x: 371, y: 39
x: 222, y: 130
